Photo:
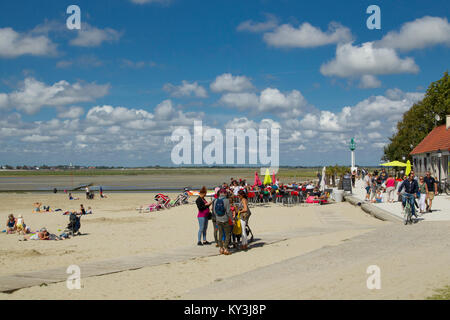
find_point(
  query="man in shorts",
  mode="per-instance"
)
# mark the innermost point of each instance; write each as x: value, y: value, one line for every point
x: 431, y: 187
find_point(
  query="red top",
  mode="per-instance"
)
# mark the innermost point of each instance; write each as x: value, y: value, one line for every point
x: 390, y: 182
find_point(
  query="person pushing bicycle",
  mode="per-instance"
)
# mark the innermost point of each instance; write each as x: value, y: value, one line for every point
x: 411, y: 188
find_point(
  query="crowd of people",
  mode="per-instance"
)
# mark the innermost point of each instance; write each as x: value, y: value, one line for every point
x: 228, y: 217
x: 381, y: 186
x: 229, y: 209
x: 17, y: 225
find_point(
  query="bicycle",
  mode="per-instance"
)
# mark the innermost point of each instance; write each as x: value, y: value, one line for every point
x: 444, y: 186
x: 407, y: 210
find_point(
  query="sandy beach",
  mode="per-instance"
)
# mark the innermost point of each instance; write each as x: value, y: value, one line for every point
x: 116, y: 229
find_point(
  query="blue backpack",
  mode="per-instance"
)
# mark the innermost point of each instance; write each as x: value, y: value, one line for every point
x: 219, y: 208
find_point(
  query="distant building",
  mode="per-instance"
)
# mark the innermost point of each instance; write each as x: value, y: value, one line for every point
x: 425, y: 154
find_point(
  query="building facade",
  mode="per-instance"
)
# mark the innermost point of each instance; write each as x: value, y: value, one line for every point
x: 433, y: 153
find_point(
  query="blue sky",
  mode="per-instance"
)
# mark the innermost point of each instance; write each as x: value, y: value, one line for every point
x: 311, y: 68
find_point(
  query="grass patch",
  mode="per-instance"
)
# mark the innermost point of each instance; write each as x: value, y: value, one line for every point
x: 441, y: 294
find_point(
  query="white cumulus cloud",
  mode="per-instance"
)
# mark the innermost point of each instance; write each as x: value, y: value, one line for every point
x: 228, y: 82
x: 270, y: 100
x: 90, y: 36
x: 307, y: 36
x: 366, y: 59
x: 418, y: 34
x: 33, y: 94
x: 186, y: 89
x: 14, y: 44
x: 369, y: 81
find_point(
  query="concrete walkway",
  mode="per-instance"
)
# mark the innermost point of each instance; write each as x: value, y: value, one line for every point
x: 440, y: 206
x: 412, y: 262
x: 14, y: 282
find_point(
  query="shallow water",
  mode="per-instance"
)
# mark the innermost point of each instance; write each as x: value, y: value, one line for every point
x: 112, y: 183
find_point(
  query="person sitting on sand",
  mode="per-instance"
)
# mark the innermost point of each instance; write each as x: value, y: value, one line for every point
x: 37, y: 206
x: 21, y: 226
x: 82, y: 210
x: 379, y: 196
x: 72, y: 198
x: 11, y: 224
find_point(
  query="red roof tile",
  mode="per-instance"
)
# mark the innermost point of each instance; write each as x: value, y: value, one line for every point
x: 437, y: 139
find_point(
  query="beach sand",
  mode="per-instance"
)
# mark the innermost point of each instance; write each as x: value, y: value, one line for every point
x: 116, y: 229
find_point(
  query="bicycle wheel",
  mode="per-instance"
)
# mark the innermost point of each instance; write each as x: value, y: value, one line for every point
x: 447, y: 188
x: 406, y: 213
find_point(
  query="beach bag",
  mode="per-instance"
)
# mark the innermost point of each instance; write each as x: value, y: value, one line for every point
x: 237, y: 229
x: 219, y: 208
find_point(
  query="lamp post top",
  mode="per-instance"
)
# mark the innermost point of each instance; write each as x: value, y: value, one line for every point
x: 352, y: 144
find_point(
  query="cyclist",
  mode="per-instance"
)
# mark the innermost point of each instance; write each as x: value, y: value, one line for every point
x: 411, y: 188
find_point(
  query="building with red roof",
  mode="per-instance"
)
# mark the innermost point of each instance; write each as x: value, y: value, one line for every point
x: 432, y: 153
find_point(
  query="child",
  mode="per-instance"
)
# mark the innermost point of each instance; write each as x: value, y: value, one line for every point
x: 379, y: 197
x: 373, y: 190
x: 20, y: 225
x: 235, y: 237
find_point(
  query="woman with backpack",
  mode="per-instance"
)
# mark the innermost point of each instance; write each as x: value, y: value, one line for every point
x: 202, y: 216
x: 224, y: 220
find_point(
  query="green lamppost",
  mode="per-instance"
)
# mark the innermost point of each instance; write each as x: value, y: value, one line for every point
x: 352, y: 147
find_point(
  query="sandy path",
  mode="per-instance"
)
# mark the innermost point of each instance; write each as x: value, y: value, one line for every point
x: 116, y: 229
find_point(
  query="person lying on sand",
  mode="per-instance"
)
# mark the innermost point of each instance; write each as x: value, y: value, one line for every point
x: 11, y: 224
x: 43, y: 234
